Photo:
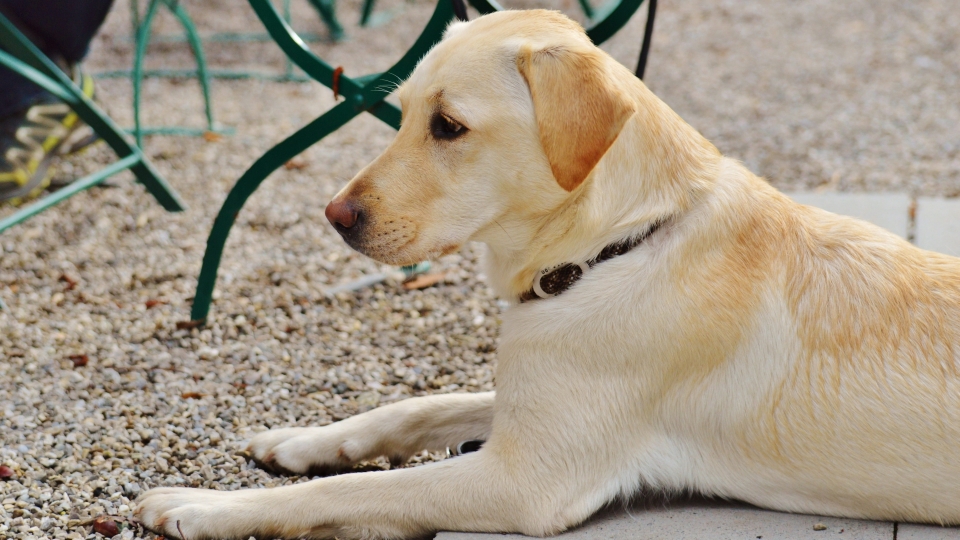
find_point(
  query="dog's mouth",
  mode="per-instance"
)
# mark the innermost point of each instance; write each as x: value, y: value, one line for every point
x: 353, y: 233
x: 388, y: 240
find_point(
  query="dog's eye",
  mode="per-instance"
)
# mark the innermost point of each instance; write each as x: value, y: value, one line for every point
x: 443, y: 127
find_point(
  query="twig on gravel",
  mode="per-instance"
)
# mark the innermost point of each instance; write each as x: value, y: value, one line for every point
x: 403, y: 274
x: 362, y: 283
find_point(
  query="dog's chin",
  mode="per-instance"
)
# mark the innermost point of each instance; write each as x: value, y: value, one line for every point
x: 385, y: 255
x: 394, y: 259
x: 406, y: 255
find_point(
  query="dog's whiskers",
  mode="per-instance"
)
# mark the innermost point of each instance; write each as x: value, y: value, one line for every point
x: 390, y: 86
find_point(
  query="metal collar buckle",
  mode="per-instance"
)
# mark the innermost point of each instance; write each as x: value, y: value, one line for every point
x: 538, y: 288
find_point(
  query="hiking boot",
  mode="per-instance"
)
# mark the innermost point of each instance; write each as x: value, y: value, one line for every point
x: 29, y: 141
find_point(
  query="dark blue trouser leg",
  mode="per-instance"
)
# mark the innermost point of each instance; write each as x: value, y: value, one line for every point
x: 61, y: 28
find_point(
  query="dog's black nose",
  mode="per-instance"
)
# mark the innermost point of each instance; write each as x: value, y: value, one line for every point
x: 341, y: 214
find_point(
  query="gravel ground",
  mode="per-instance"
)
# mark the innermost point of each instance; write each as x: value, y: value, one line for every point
x: 102, y: 396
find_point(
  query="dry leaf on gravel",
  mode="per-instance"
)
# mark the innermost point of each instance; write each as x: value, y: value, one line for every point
x: 106, y: 526
x: 79, y: 360
x: 71, y: 282
x: 188, y: 325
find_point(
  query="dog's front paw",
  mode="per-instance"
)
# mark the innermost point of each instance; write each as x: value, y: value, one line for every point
x: 316, y: 451
x: 193, y: 514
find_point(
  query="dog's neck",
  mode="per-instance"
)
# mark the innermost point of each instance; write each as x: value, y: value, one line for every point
x: 658, y: 167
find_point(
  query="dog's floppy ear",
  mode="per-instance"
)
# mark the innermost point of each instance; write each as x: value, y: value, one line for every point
x: 579, y: 112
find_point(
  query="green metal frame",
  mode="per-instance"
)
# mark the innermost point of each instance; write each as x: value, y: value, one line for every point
x: 589, y: 10
x: 367, y: 12
x: 142, y: 35
x: 20, y: 55
x: 328, y: 12
x: 362, y: 94
x: 325, y: 8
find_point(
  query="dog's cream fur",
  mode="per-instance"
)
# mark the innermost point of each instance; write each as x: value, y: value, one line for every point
x: 751, y: 348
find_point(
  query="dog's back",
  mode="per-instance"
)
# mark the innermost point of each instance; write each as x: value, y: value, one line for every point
x: 861, y: 333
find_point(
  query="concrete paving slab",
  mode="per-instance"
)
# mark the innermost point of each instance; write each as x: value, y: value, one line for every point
x: 707, y: 520
x: 938, y: 225
x: 888, y: 210
x: 927, y: 532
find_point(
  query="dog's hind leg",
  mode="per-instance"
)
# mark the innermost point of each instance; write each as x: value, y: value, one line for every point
x: 397, y: 431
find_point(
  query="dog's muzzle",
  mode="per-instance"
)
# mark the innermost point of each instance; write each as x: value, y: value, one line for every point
x: 347, y: 219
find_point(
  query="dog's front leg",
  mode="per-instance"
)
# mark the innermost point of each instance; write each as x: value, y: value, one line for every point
x: 398, y: 431
x: 500, y: 488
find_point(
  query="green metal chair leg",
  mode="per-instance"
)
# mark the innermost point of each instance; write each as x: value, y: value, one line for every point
x: 143, y: 34
x: 194, y: 38
x: 288, y: 18
x: 608, y: 20
x: 367, y: 11
x: 587, y: 8
x: 135, y: 16
x: 327, y: 11
x: 25, y: 58
x: 143, y: 39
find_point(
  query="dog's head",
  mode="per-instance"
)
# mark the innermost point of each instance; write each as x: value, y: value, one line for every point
x: 502, y: 122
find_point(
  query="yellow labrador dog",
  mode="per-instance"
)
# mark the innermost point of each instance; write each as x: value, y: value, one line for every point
x: 676, y: 323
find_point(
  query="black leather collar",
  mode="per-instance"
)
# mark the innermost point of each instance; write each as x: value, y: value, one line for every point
x: 553, y: 281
